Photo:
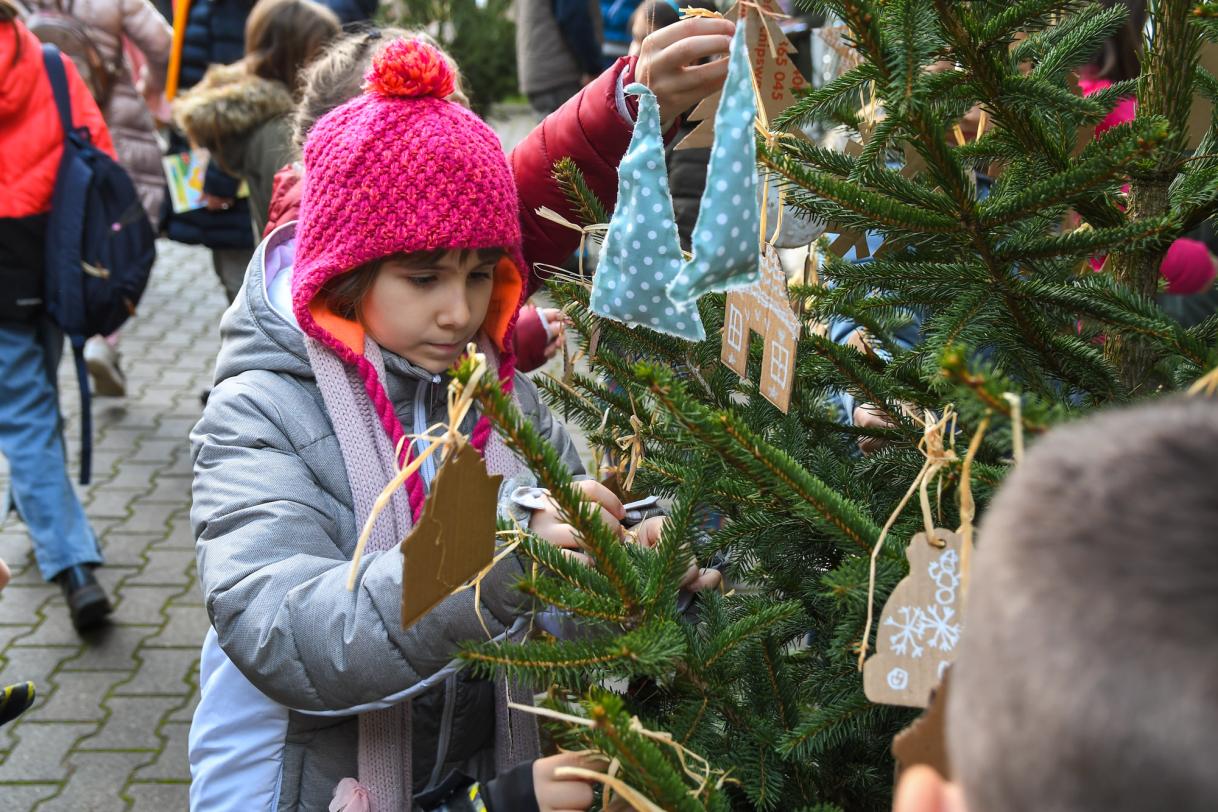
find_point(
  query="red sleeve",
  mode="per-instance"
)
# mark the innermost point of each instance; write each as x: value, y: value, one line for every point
x: 590, y: 130
x: 84, y: 110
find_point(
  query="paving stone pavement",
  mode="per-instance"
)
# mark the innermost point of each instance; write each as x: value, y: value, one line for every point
x: 108, y: 730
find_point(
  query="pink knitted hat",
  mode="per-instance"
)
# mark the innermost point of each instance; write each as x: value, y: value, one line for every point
x: 399, y: 169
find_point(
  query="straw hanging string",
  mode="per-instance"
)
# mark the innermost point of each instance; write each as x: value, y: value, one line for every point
x: 937, y: 457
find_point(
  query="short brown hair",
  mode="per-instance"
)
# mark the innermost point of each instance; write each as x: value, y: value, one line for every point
x: 337, y: 75
x: 344, y: 294
x: 1087, y: 676
x: 283, y: 36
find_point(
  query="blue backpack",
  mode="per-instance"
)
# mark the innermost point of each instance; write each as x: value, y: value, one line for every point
x: 99, y: 248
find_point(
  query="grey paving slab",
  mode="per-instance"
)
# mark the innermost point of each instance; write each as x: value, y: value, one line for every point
x: 165, y: 567
x: 77, y: 696
x: 35, y: 663
x: 142, y: 605
x: 158, y: 797
x: 24, y: 796
x: 171, y: 762
x: 128, y: 725
x: 96, y: 782
x: 187, y: 626
x: 40, y: 751
x: 110, y: 649
x: 162, y: 671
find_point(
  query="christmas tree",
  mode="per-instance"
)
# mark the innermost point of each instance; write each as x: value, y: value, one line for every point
x: 753, y: 699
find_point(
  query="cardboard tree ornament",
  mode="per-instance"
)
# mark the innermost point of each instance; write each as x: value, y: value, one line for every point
x: 925, y: 740
x: 764, y: 308
x: 920, y: 625
x: 773, y: 65
x: 454, y: 539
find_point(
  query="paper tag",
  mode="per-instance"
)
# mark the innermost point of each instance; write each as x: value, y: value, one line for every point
x: 454, y: 539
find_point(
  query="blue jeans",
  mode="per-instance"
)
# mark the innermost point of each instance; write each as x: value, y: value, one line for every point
x: 31, y: 440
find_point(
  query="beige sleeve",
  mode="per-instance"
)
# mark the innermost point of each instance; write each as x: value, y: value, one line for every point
x: 152, y: 34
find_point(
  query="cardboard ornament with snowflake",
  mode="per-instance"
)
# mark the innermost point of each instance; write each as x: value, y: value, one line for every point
x: 920, y: 626
x: 764, y: 308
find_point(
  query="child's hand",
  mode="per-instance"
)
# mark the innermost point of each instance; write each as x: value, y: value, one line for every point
x: 556, y: 331
x: 547, y: 523
x: 556, y: 794
x: 696, y: 578
x: 670, y: 63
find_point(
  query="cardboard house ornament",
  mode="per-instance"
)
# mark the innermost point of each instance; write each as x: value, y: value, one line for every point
x: 920, y: 626
x: 764, y: 308
x: 454, y: 539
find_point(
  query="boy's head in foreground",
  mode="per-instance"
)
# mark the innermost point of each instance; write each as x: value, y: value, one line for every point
x: 1087, y: 677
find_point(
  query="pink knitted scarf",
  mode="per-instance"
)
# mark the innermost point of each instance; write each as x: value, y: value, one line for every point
x: 385, y: 782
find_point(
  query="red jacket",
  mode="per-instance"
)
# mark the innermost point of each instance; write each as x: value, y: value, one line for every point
x: 31, y: 138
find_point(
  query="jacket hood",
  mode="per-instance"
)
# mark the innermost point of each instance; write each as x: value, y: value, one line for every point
x: 259, y: 332
x: 227, y: 103
x: 21, y: 58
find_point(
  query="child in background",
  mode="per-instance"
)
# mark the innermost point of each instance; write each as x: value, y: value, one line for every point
x: 31, y: 437
x: 1087, y: 669
x: 407, y: 247
x: 242, y: 113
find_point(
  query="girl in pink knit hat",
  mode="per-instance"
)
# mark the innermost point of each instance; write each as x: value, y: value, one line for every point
x: 313, y: 697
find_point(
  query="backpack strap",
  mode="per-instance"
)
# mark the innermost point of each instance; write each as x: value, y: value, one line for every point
x: 59, y: 84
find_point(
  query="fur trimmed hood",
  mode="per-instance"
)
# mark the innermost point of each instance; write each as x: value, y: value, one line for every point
x: 227, y: 103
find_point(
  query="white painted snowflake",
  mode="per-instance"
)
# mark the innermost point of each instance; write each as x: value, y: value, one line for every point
x: 936, y: 624
x: 909, y: 629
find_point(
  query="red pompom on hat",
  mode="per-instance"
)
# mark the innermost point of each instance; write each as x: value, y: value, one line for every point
x: 410, y: 69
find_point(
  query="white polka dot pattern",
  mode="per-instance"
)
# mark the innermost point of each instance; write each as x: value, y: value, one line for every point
x: 726, y: 259
x: 641, y: 254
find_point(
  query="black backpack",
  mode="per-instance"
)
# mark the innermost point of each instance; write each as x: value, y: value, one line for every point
x: 99, y: 247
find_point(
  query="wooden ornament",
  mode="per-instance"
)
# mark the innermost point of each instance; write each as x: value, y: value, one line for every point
x: 925, y: 740
x: 920, y: 625
x: 454, y: 539
x: 773, y: 66
x: 764, y: 308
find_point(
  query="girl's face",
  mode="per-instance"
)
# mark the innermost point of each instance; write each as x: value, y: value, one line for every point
x: 427, y: 314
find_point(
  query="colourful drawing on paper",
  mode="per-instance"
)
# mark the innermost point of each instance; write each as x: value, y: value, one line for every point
x: 184, y: 174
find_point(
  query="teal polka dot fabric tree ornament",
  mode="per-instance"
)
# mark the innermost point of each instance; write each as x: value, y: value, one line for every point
x: 726, y: 238
x: 641, y: 254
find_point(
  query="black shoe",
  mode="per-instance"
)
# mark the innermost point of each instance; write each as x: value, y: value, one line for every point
x: 15, y: 700
x: 86, y: 600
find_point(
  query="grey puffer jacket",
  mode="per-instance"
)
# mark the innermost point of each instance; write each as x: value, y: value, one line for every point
x: 275, y: 530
